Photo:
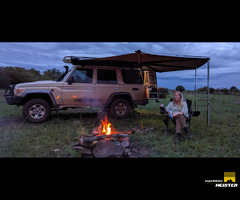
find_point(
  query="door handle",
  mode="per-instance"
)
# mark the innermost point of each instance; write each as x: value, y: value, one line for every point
x: 135, y: 89
x: 88, y: 88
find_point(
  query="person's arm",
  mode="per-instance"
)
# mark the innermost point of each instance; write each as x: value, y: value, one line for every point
x: 169, y: 107
x: 185, y: 109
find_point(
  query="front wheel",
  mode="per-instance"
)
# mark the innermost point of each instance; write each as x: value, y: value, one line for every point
x: 36, y: 110
x: 120, y: 108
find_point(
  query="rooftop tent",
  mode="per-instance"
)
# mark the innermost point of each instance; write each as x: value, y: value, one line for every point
x: 157, y: 63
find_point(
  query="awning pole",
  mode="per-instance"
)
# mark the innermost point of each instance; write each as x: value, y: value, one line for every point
x: 139, y: 58
x: 208, y: 105
x: 139, y: 65
x: 195, y: 89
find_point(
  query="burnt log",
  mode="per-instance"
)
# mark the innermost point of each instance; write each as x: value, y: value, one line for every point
x: 92, y: 139
x: 119, y: 135
x: 101, y: 137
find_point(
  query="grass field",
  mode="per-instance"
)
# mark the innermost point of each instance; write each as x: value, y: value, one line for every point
x: 56, y: 137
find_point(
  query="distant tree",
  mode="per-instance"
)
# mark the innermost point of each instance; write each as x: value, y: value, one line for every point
x: 36, y: 74
x: 225, y: 90
x: 203, y: 90
x: 211, y: 90
x: 15, y: 75
x: 180, y: 88
x: 52, y: 74
x: 162, y: 92
x: 3, y: 78
x: 233, y: 88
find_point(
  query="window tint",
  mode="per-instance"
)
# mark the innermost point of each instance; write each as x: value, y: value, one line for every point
x: 106, y: 76
x: 131, y: 76
x: 83, y: 76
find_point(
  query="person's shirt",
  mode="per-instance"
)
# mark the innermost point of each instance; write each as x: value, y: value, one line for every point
x: 175, y: 109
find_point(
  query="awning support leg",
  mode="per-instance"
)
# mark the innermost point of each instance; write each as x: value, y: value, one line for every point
x: 208, y: 104
x: 196, y: 89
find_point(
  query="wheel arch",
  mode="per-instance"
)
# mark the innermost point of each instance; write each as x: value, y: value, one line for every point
x: 40, y: 94
x: 117, y: 95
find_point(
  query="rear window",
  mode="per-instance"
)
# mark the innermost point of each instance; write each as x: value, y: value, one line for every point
x: 131, y: 76
x: 106, y: 76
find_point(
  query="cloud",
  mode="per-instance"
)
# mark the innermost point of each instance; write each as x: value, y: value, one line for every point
x: 225, y: 57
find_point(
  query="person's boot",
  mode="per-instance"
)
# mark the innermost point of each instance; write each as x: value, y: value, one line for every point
x: 189, y: 136
x: 176, y: 139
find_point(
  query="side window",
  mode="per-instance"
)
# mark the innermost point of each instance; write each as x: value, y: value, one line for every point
x: 131, y: 76
x: 106, y: 76
x: 83, y: 75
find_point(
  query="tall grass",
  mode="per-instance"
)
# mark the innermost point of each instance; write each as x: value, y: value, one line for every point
x: 56, y: 137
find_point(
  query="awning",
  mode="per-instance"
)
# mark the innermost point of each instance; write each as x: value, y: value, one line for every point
x: 157, y: 63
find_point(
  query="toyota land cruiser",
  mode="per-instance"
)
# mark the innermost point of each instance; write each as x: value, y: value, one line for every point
x: 114, y: 89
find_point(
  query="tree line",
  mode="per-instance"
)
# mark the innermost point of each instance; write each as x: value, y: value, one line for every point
x: 204, y: 90
x: 15, y: 75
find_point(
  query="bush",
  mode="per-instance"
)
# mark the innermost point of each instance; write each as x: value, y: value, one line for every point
x: 180, y: 88
x: 211, y: 90
x: 202, y: 90
x: 162, y: 93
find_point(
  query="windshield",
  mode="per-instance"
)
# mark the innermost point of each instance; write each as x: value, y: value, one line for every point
x: 63, y: 77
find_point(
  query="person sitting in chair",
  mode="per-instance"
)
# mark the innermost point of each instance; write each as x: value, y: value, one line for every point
x: 179, y: 110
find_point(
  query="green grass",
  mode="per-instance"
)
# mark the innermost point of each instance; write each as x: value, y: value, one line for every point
x: 56, y: 137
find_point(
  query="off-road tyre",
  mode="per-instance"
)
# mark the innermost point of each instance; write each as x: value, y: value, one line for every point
x: 36, y: 110
x: 119, y: 108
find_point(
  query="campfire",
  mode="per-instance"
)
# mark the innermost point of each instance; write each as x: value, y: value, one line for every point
x: 105, y: 141
x: 106, y: 131
x: 106, y: 126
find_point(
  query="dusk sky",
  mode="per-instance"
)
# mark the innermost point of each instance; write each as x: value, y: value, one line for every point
x: 224, y: 63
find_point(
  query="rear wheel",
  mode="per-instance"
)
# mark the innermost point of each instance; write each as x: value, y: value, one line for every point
x: 119, y: 108
x: 36, y: 110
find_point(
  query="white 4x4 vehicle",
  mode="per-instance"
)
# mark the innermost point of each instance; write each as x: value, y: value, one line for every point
x: 114, y: 89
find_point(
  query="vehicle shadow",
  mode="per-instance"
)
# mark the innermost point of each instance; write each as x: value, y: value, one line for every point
x: 5, y: 121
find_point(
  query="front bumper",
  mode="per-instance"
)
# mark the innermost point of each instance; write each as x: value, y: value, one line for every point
x: 10, y: 98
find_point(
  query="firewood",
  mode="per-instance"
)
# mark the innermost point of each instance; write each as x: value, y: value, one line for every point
x: 91, y: 139
x: 93, y: 134
x: 120, y: 135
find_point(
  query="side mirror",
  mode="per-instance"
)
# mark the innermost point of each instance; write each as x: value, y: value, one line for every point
x: 70, y: 80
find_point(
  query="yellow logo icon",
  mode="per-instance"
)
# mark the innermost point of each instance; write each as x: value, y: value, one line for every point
x: 229, y: 177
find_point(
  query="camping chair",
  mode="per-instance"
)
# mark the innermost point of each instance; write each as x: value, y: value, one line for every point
x: 188, y: 120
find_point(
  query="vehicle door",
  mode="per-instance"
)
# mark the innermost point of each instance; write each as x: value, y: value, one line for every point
x: 133, y: 83
x: 106, y: 84
x: 78, y: 90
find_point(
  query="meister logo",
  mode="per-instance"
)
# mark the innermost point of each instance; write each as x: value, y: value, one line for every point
x: 229, y: 180
x: 229, y: 177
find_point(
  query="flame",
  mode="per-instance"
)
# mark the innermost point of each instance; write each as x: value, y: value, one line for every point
x: 106, y: 126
